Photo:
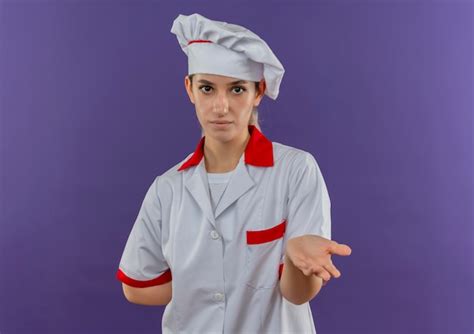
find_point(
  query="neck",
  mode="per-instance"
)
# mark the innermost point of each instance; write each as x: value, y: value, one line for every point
x: 223, y: 157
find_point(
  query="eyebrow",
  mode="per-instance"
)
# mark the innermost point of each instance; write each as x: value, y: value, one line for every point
x: 229, y: 84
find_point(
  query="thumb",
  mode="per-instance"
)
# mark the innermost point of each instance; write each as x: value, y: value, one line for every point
x: 340, y: 249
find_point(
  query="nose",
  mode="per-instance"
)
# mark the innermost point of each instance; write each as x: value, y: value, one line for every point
x: 221, y: 103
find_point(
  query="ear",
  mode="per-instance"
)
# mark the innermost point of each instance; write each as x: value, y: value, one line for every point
x: 189, y: 90
x: 262, y: 86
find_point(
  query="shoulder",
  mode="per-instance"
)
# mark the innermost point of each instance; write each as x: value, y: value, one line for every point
x: 164, y: 182
x: 292, y: 157
x: 173, y: 172
x: 301, y: 168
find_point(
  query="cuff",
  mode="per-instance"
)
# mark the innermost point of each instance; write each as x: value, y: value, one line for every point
x: 164, y: 277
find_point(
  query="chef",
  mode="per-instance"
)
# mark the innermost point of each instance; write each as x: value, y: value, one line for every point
x: 236, y: 237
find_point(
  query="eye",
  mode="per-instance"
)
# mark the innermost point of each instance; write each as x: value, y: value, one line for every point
x: 206, y: 90
x: 240, y: 90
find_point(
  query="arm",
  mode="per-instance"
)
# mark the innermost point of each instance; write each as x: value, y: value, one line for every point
x: 309, y: 266
x: 296, y: 287
x: 143, y: 269
x: 308, y: 213
x: 151, y: 296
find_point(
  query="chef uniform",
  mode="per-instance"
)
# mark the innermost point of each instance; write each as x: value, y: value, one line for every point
x: 220, y: 238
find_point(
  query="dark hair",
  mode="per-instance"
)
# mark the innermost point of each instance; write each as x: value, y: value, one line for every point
x: 254, y: 120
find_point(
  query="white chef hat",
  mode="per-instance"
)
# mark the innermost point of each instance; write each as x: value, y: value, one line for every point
x: 216, y: 47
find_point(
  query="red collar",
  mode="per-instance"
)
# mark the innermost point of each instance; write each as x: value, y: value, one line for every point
x: 258, y: 152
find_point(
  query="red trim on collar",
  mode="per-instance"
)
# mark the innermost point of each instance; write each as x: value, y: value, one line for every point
x: 258, y: 152
x: 199, y: 41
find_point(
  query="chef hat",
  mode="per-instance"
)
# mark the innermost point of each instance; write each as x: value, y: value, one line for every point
x: 216, y: 47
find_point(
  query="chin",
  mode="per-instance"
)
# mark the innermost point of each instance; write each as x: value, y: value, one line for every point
x: 222, y: 136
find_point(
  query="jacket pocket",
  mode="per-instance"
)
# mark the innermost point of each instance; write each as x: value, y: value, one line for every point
x: 264, y: 250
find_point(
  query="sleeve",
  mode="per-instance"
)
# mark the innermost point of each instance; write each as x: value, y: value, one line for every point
x: 308, y: 206
x: 142, y: 263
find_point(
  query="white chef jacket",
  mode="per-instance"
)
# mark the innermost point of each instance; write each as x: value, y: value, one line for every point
x: 226, y: 265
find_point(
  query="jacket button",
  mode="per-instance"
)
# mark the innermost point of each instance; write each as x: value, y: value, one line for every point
x: 218, y: 297
x: 214, y: 234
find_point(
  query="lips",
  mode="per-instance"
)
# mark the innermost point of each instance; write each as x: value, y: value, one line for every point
x: 221, y: 122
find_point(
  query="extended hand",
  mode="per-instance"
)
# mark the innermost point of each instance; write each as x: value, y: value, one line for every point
x: 312, y: 255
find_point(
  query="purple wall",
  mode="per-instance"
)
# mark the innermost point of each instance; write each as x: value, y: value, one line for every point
x: 93, y: 107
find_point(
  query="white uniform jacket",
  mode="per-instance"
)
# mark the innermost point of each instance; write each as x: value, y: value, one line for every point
x: 226, y: 265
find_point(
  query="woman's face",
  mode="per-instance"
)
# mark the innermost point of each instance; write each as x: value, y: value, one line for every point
x: 223, y: 104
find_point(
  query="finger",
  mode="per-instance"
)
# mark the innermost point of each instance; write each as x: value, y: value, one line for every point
x: 303, y: 267
x: 322, y: 279
x: 324, y: 282
x: 321, y: 272
x: 340, y: 249
x: 331, y: 268
x: 307, y: 271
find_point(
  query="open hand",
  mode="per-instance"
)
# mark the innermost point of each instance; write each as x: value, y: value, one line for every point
x: 312, y: 255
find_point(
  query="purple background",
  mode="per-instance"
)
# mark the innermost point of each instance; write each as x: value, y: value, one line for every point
x: 93, y: 107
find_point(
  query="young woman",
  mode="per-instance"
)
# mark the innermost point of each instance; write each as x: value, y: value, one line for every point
x: 235, y: 238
